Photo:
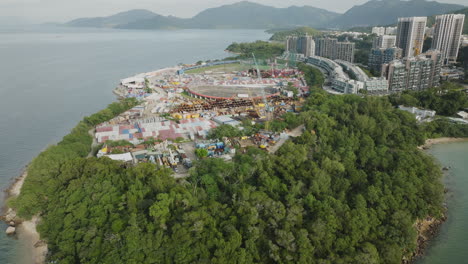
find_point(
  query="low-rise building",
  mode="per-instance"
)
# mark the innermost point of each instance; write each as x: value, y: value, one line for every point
x: 421, y: 114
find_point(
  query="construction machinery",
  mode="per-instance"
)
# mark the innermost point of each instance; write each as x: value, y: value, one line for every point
x: 268, y: 113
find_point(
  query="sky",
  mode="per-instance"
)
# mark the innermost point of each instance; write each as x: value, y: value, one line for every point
x: 65, y: 10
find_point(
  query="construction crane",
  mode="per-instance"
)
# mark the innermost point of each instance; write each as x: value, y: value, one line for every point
x: 265, y: 102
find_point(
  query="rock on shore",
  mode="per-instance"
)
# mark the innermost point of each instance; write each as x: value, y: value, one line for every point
x: 10, y: 230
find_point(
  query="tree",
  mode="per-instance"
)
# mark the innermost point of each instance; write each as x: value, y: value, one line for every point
x: 201, y: 153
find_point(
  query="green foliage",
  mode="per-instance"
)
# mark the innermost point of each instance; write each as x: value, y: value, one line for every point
x: 118, y: 143
x: 300, y: 31
x: 261, y: 49
x: 45, y: 168
x: 446, y: 100
x: 224, y: 131
x: 347, y: 191
x: 313, y: 76
x: 443, y: 127
x: 201, y: 153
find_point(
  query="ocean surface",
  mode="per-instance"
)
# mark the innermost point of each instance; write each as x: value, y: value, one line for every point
x: 450, y: 246
x: 51, y: 77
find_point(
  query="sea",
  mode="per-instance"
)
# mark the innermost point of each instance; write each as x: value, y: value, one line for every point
x: 51, y: 77
x: 450, y: 245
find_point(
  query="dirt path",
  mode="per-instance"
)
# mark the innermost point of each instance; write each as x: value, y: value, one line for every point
x: 92, y: 133
x: 297, y: 132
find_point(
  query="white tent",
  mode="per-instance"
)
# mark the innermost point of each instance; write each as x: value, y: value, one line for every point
x: 121, y: 157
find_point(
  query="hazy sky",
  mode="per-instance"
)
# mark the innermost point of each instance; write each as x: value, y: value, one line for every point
x: 64, y: 10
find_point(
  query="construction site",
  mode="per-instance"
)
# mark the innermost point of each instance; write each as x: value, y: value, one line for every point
x: 182, y: 104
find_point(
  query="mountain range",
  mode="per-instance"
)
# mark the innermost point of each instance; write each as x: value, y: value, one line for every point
x: 248, y: 15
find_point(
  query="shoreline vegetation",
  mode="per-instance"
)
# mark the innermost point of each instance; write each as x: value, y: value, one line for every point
x: 347, y: 182
x: 26, y: 227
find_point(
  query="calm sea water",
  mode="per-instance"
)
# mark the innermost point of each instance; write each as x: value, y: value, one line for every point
x: 51, y: 77
x: 450, y: 246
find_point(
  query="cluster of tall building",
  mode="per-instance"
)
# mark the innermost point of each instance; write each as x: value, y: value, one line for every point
x: 329, y: 48
x: 304, y: 45
x: 400, y: 58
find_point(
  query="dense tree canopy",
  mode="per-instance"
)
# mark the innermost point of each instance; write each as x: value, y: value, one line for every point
x: 347, y: 191
x: 261, y: 49
x: 447, y: 99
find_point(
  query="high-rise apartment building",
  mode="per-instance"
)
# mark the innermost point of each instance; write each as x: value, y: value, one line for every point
x: 378, y: 30
x: 384, y: 41
x: 303, y: 45
x: 325, y: 47
x: 390, y: 31
x: 344, y: 51
x: 447, y: 36
x: 332, y: 49
x: 414, y: 73
x: 381, y: 56
x: 410, y: 35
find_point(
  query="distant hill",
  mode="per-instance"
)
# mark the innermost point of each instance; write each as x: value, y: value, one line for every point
x: 240, y: 15
x: 282, y: 35
x: 384, y: 12
x: 113, y: 21
x: 251, y: 15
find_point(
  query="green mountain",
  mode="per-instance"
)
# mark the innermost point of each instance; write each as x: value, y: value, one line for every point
x: 384, y: 12
x: 282, y: 35
x: 240, y: 15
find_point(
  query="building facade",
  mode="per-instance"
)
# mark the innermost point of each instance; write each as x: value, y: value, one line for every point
x: 410, y: 35
x: 304, y: 45
x: 384, y: 41
x: 447, y: 36
x: 380, y: 56
x: 332, y: 49
x: 379, y: 31
x: 415, y: 73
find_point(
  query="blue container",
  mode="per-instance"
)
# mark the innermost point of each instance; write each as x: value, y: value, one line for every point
x: 125, y: 131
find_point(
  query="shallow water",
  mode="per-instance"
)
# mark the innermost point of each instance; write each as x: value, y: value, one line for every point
x: 51, y: 77
x: 450, y: 245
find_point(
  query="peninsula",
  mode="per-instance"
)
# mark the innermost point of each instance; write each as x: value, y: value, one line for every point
x: 254, y: 160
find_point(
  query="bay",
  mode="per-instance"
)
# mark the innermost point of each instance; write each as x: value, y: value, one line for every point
x: 51, y: 77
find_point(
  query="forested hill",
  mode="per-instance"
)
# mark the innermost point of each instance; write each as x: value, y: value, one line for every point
x: 281, y: 35
x: 349, y: 190
x: 239, y: 15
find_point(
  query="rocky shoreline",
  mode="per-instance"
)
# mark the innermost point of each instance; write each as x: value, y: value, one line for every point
x: 427, y: 229
x: 25, y: 230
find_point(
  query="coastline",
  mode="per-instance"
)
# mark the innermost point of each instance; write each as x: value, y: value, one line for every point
x: 24, y: 230
x: 433, y: 141
x: 429, y: 227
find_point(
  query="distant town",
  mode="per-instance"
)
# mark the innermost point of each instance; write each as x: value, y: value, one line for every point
x: 396, y: 61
